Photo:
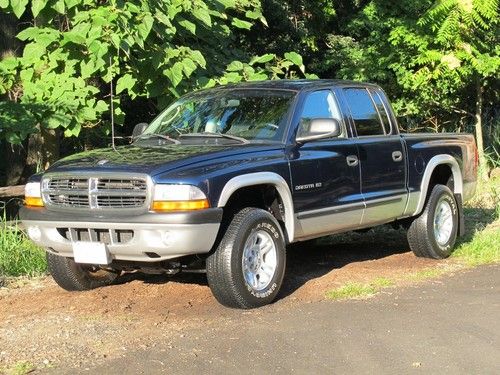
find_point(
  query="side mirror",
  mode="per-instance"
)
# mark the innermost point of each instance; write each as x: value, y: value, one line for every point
x: 139, y: 129
x: 318, y: 128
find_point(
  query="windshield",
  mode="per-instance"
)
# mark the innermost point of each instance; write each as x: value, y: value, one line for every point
x: 224, y: 116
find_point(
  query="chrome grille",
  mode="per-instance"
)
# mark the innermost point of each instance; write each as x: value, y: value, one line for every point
x: 68, y: 183
x: 110, y: 201
x: 112, y: 183
x: 95, y: 192
x: 69, y: 200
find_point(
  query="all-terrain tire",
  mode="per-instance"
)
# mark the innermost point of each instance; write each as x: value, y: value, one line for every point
x: 427, y: 236
x: 234, y: 261
x: 77, y: 277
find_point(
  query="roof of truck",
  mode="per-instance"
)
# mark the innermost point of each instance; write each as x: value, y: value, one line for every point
x: 296, y: 84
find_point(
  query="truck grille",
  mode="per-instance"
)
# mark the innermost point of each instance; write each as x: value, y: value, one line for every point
x: 95, y: 192
x: 106, y: 236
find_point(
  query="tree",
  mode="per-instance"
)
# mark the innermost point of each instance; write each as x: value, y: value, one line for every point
x: 438, y: 60
x: 465, y: 32
x: 14, y: 155
x: 77, y: 50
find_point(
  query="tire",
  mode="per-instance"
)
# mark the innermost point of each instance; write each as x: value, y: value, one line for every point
x: 434, y: 232
x: 252, y: 244
x: 77, y: 277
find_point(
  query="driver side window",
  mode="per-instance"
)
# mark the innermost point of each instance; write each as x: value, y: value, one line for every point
x: 319, y: 104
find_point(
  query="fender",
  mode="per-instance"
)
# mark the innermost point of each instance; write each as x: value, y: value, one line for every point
x: 260, y: 178
x: 433, y: 163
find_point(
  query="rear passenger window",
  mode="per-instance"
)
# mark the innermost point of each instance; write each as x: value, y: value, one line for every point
x: 381, y: 110
x: 364, y: 114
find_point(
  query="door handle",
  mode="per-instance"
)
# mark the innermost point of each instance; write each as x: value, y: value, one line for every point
x: 352, y: 160
x: 397, y: 156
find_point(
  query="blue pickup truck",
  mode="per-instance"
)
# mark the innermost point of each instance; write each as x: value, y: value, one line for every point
x: 225, y: 178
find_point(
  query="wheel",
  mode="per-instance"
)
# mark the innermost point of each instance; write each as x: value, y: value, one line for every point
x: 246, y: 270
x: 434, y: 232
x: 73, y: 276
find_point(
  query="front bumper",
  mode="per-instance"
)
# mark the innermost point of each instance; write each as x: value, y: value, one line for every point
x: 151, y: 237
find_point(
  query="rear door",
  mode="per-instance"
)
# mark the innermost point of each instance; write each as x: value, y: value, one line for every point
x: 325, y: 173
x: 381, y: 154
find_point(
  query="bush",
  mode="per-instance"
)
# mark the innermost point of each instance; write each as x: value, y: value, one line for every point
x: 18, y: 255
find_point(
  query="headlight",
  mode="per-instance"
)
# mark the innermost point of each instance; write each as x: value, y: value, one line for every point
x: 33, y: 195
x: 178, y: 198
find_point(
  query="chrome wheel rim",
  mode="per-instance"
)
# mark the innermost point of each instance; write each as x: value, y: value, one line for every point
x: 443, y: 222
x: 259, y: 260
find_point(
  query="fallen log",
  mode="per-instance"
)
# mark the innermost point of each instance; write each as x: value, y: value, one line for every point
x: 12, y: 191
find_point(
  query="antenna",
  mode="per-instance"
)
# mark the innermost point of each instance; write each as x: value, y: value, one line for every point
x: 111, y: 106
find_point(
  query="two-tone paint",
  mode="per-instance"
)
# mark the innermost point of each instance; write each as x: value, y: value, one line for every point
x: 325, y: 186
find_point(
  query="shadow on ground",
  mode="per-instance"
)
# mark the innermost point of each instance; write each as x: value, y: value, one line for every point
x: 476, y: 218
x: 309, y: 260
x: 313, y: 259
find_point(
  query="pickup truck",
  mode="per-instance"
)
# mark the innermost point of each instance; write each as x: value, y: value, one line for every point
x: 225, y: 178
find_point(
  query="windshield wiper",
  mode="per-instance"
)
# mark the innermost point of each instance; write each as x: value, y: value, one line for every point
x: 162, y: 136
x: 216, y: 135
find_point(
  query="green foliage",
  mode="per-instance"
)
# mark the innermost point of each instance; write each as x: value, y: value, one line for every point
x: 154, y: 50
x: 482, y: 249
x: 430, y: 56
x: 18, y: 255
x: 17, y: 121
x: 351, y: 290
x: 19, y: 368
x: 268, y: 66
x: 359, y: 290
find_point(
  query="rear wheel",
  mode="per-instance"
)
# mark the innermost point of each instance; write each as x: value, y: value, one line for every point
x: 74, y: 276
x: 246, y: 270
x: 434, y: 232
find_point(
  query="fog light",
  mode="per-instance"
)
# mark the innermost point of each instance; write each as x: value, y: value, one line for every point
x: 34, y: 233
x: 167, y: 238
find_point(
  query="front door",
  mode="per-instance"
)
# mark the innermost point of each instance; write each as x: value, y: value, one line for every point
x: 325, y: 174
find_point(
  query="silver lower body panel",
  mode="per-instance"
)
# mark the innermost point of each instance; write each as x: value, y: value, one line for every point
x: 165, y: 241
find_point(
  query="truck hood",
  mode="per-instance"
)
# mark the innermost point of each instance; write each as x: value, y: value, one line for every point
x: 150, y: 160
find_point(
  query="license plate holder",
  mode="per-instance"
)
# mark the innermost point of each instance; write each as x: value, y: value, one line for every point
x: 91, y: 252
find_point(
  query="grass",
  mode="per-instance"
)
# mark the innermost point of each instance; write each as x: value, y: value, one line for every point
x: 484, y: 248
x: 20, y: 368
x: 382, y: 282
x: 351, y: 290
x: 480, y: 245
x: 18, y: 255
x: 427, y: 273
x: 359, y: 290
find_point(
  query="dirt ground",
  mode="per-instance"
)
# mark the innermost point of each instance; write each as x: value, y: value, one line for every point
x: 45, y: 326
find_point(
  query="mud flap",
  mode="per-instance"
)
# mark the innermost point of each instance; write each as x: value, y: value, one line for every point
x: 461, y: 219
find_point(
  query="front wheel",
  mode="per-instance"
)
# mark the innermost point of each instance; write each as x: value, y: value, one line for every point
x: 74, y: 276
x: 434, y: 232
x: 247, y: 268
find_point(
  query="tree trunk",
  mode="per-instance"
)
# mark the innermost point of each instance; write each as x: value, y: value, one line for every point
x: 483, y: 168
x: 14, y: 158
x: 43, y: 150
x: 13, y: 155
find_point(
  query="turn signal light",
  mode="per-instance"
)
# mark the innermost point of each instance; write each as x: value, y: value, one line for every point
x: 33, y: 202
x: 198, y: 204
